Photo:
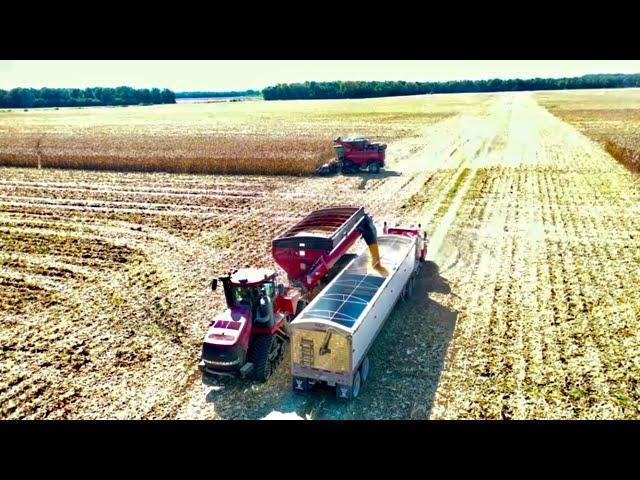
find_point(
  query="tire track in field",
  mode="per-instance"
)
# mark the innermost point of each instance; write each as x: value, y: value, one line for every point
x: 527, y: 344
x: 474, y: 153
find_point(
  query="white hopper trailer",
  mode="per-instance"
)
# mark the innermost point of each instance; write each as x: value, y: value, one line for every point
x: 331, y: 337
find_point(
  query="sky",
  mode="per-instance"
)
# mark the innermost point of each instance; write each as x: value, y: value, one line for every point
x: 224, y: 75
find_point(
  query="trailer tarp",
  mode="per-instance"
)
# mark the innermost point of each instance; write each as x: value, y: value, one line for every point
x: 347, y: 297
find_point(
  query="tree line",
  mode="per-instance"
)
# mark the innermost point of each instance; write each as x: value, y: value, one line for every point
x: 83, y: 97
x: 242, y: 93
x: 361, y: 89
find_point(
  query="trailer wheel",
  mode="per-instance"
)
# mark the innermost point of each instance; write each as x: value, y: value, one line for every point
x: 265, y: 352
x: 357, y: 383
x: 410, y: 288
x: 364, y: 368
x: 405, y: 292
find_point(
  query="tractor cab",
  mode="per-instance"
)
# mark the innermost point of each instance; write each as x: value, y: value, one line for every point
x: 252, y: 288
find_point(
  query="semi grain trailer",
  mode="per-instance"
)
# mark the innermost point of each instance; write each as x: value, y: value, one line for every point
x: 332, y: 336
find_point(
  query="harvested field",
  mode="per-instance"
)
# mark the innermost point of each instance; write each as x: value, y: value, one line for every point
x: 527, y: 307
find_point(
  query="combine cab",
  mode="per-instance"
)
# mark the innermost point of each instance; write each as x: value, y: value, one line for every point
x: 354, y: 155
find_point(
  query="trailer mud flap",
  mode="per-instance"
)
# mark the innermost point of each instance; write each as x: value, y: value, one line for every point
x: 343, y: 392
x: 300, y: 384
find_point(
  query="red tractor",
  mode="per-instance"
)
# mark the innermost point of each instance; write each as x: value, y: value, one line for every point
x: 249, y: 337
x: 354, y: 155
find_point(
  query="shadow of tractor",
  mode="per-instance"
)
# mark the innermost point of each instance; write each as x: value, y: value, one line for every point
x: 241, y: 398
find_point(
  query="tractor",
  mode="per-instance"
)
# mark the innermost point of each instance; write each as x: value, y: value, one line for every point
x: 247, y: 337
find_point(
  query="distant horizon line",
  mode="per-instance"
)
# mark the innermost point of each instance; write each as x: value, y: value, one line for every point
x: 181, y: 91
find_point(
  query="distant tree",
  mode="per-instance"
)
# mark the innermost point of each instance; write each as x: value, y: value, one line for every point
x: 156, y: 95
x: 22, y: 97
x: 204, y: 94
x: 107, y: 96
x: 168, y: 96
x: 63, y: 97
x: 356, y: 89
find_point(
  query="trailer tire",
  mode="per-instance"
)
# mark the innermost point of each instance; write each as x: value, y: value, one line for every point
x: 357, y: 383
x: 265, y: 352
x: 405, y: 292
x: 364, y: 368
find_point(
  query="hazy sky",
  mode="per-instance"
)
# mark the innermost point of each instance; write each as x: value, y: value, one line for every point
x: 217, y: 75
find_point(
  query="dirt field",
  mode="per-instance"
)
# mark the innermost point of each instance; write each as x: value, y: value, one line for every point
x: 528, y: 307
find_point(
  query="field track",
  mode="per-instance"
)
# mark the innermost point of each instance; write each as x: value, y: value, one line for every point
x: 528, y: 307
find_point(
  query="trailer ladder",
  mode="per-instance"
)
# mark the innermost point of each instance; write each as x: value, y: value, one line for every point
x: 306, y: 350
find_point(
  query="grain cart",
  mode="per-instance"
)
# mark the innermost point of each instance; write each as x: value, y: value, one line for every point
x: 248, y: 337
x: 355, y: 154
x: 330, y: 339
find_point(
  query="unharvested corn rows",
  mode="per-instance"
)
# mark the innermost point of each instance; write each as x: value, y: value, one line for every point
x: 226, y: 155
x: 268, y: 138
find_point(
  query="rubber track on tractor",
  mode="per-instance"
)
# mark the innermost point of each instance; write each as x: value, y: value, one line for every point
x: 259, y: 355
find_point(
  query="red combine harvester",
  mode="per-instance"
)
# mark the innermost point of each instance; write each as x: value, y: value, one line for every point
x: 354, y: 155
x: 248, y: 338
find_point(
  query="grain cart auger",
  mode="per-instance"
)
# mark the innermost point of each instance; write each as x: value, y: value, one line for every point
x: 248, y: 338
